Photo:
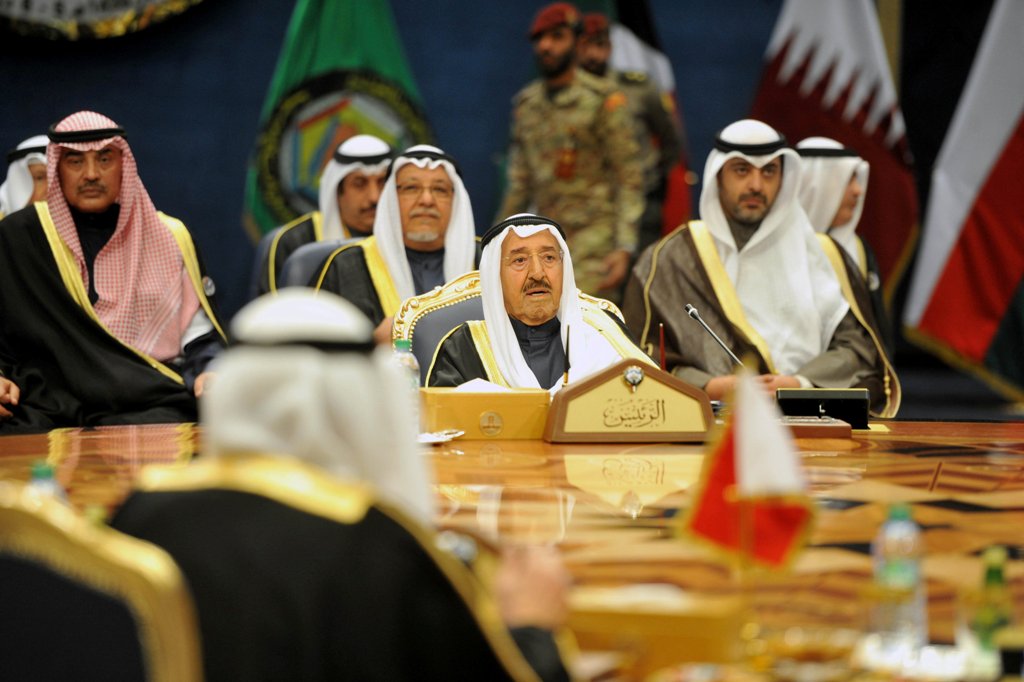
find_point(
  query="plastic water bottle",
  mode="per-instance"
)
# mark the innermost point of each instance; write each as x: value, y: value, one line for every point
x: 995, y: 608
x: 407, y: 361
x: 900, y: 615
x: 45, y: 483
x: 405, y: 358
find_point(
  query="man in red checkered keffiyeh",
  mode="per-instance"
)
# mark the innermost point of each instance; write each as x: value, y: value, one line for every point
x: 131, y: 270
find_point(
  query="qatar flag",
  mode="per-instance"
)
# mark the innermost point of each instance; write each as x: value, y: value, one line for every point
x: 966, y: 300
x: 826, y: 74
x: 752, y: 497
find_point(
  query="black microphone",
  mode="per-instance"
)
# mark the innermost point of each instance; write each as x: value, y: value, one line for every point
x: 692, y: 312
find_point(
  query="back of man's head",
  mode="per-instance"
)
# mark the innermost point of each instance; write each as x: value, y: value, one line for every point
x: 305, y: 381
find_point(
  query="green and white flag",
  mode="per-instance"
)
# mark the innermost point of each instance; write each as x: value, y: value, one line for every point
x: 342, y: 72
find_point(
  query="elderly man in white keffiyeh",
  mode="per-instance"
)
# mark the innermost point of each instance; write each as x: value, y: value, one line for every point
x: 423, y: 236
x: 106, y: 316
x: 538, y: 328
x: 757, y: 274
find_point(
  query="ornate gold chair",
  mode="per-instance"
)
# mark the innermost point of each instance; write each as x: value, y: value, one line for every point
x: 80, y: 601
x: 427, y: 318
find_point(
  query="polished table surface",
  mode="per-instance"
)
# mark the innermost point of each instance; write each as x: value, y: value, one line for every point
x: 614, y: 509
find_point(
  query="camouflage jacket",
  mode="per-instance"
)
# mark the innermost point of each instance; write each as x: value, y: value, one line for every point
x: 574, y: 157
x: 658, y: 135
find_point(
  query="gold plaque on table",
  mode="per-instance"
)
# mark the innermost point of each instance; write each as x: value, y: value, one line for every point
x: 630, y: 402
x: 507, y: 415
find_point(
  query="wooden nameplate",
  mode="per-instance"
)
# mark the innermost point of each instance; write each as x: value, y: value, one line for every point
x: 630, y: 402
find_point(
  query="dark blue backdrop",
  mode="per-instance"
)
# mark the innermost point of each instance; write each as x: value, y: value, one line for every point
x: 189, y: 92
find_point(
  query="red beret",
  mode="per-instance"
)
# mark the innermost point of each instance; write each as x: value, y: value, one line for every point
x: 594, y: 23
x: 555, y: 14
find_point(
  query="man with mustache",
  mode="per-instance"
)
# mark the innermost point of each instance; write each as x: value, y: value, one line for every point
x: 833, y: 184
x: 761, y: 280
x: 423, y: 236
x: 532, y: 311
x: 107, y: 314
x: 350, y: 188
x: 573, y: 156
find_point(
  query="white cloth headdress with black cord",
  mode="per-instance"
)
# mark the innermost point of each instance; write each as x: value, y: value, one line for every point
x: 588, y: 350
x: 784, y: 282
x: 364, y: 153
x: 460, y: 239
x: 17, y: 189
x: 828, y: 167
x: 305, y: 381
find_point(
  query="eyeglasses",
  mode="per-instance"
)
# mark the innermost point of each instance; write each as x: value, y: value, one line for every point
x: 439, y: 192
x: 520, y: 261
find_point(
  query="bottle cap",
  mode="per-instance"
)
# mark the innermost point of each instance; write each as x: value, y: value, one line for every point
x: 994, y: 555
x: 403, y: 344
x: 40, y: 469
x: 899, y: 511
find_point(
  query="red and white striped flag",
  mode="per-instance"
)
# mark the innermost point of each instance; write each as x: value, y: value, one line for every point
x: 966, y: 300
x: 826, y: 74
x: 752, y: 498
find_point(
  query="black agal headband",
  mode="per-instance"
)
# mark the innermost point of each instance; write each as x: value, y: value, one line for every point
x: 347, y: 159
x: 16, y: 154
x: 66, y: 136
x: 762, y: 149
x: 519, y: 221
x: 363, y: 347
x: 843, y: 152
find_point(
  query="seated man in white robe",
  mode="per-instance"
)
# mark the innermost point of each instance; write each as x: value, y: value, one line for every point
x: 833, y: 185
x: 538, y: 330
x: 761, y: 279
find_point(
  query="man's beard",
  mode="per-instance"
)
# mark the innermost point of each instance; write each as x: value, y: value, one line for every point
x: 596, y: 68
x: 558, y: 68
x: 424, y: 236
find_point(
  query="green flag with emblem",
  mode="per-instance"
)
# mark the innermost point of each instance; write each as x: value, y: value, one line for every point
x: 341, y: 72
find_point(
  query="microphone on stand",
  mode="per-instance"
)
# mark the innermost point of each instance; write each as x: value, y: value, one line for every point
x: 692, y: 312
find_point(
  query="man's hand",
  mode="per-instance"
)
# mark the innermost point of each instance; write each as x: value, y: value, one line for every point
x: 616, y: 267
x: 770, y: 382
x: 9, y: 395
x: 532, y: 587
x: 719, y: 388
x: 200, y: 383
x: 382, y: 334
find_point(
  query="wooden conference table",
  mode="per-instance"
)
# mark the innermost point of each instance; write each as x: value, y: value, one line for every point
x: 613, y: 508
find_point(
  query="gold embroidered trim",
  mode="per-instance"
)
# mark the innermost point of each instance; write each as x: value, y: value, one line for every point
x: 891, y: 384
x: 191, y: 261
x: 725, y: 291
x: 482, y: 341
x: 72, y: 278
x: 140, y: 576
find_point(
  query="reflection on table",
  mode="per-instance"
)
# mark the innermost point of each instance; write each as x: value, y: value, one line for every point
x: 614, y: 509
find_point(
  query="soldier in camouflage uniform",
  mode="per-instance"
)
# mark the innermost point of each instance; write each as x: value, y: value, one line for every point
x: 658, y: 136
x: 574, y: 156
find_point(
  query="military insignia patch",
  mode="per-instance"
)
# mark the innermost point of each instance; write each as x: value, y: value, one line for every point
x: 614, y: 101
